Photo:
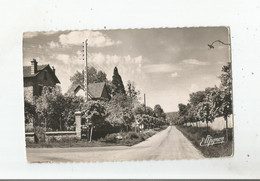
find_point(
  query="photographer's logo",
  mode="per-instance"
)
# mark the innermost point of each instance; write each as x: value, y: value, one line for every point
x: 209, y: 141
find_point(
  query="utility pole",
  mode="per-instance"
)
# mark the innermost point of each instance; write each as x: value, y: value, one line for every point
x: 85, y: 57
x: 144, y: 104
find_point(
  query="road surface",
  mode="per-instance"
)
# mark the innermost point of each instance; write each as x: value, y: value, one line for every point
x: 168, y: 144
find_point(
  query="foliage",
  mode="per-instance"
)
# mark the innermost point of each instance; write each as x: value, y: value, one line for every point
x: 158, y: 112
x: 132, y: 135
x: 119, y: 113
x: 94, y: 76
x: 212, y: 102
x: 111, y: 138
x: 128, y: 117
x: 94, y: 112
x: 139, y: 109
x: 118, y: 83
x: 46, y: 107
x: 132, y: 93
x: 29, y: 111
x: 56, y: 111
x: 226, y: 91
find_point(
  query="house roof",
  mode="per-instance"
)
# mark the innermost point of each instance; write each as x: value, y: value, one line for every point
x: 27, y: 72
x: 95, y: 90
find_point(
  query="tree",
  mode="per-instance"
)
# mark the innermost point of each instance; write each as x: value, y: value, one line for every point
x: 29, y: 112
x: 158, y: 111
x: 72, y: 103
x: 115, y: 110
x: 132, y: 93
x: 149, y: 111
x: 225, y: 108
x: 118, y: 83
x: 94, y: 111
x: 94, y: 76
x: 139, y: 109
x: 56, y: 111
x: 44, y: 108
x: 197, y: 97
x: 128, y: 117
x: 204, y: 112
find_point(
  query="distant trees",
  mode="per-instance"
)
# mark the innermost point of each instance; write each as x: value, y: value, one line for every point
x: 158, y: 112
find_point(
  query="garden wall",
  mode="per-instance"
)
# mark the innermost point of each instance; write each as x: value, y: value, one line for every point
x: 53, y: 136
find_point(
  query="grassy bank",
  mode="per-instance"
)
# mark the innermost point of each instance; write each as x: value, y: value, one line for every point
x: 115, y: 139
x: 195, y: 135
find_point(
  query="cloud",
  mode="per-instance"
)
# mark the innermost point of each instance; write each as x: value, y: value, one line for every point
x: 30, y: 34
x: 95, y: 39
x: 34, y: 34
x: 194, y: 62
x: 52, y: 44
x: 65, y: 58
x: 160, y: 68
x: 129, y: 66
x: 175, y: 74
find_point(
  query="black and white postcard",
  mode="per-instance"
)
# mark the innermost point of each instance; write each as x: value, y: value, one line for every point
x: 128, y: 94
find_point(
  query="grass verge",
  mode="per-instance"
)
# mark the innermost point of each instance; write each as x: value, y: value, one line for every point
x: 115, y: 139
x: 195, y: 135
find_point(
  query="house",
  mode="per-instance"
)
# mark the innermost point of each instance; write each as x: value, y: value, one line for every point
x: 96, y: 91
x: 36, y: 77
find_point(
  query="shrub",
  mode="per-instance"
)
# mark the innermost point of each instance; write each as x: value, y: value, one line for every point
x: 157, y: 129
x: 110, y: 138
x: 144, y: 136
x: 132, y: 135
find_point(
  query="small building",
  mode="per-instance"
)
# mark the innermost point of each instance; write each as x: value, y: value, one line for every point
x: 36, y: 77
x: 96, y: 91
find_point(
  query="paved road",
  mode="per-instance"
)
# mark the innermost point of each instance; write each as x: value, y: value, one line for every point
x: 167, y: 144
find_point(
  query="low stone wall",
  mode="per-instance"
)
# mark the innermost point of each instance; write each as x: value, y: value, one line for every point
x: 61, y: 136
x: 29, y: 137
x: 54, y: 136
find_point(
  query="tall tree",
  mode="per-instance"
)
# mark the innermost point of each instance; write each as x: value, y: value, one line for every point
x: 93, y: 76
x: 225, y: 108
x: 132, y: 93
x: 197, y: 97
x: 183, y: 113
x: 158, y: 111
x: 204, y: 112
x: 118, y: 83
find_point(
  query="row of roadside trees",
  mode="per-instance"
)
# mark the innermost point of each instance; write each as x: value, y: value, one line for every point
x: 205, y: 106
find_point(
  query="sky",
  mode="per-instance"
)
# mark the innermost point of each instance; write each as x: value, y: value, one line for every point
x: 166, y: 64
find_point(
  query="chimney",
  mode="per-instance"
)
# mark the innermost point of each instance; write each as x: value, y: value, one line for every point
x: 33, y: 66
x: 53, y: 70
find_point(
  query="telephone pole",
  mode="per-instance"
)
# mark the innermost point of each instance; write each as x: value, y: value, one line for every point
x: 85, y: 57
x: 144, y: 104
